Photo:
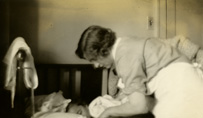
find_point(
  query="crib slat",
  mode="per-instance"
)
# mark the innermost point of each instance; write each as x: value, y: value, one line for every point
x: 104, y: 81
x: 65, y: 82
x: 77, y: 83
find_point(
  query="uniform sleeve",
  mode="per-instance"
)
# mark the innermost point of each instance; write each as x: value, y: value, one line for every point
x: 184, y: 45
x: 131, y: 69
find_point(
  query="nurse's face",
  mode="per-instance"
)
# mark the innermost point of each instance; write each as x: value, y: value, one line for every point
x: 103, y: 62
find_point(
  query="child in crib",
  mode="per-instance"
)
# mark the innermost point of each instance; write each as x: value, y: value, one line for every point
x: 53, y: 105
x: 78, y: 107
x: 95, y: 108
x: 99, y: 104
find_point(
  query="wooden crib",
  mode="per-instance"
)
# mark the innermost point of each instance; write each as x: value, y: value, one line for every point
x: 75, y: 80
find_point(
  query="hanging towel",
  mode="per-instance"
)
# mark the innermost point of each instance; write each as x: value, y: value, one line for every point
x: 10, y: 59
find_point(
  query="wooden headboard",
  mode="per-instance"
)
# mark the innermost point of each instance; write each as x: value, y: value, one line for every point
x: 73, y: 79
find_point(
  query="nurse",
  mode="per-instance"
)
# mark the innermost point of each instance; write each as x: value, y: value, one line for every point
x: 146, y: 66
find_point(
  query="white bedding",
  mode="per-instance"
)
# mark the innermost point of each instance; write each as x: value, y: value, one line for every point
x: 51, y: 106
x: 56, y: 115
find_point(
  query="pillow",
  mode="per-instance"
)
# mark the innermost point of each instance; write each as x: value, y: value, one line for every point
x: 56, y: 115
x: 54, y: 102
x: 38, y: 103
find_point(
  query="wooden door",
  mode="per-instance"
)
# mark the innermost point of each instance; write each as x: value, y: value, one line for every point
x: 181, y: 17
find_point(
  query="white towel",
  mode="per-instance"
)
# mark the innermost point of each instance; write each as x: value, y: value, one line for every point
x: 99, y: 104
x: 10, y: 60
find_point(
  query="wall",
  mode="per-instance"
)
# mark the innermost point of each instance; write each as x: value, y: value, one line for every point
x: 4, y: 27
x: 4, y: 43
x: 189, y: 15
x: 52, y: 28
x: 182, y: 17
x: 23, y: 21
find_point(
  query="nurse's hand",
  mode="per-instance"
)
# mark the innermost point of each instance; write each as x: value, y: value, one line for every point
x: 120, y: 96
x: 106, y: 113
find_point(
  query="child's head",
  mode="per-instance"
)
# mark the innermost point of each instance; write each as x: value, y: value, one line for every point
x: 78, y: 107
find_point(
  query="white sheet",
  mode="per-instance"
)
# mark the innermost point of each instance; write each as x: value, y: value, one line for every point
x: 56, y: 115
x: 178, y: 89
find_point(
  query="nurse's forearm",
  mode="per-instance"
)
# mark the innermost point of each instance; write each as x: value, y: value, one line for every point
x: 137, y: 104
x: 126, y: 109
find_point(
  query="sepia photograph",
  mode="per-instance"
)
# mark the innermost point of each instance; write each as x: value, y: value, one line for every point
x: 101, y: 58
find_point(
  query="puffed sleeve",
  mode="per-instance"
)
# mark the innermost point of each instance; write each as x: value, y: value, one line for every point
x: 131, y: 69
x: 184, y: 45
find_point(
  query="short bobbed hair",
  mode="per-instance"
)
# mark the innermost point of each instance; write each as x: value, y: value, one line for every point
x: 95, y: 41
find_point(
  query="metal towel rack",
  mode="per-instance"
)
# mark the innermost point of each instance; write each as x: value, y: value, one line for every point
x: 21, y: 90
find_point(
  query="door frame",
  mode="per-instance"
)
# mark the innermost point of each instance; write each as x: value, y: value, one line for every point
x: 166, y: 18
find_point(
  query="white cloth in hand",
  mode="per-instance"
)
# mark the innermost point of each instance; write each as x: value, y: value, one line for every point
x: 99, y: 104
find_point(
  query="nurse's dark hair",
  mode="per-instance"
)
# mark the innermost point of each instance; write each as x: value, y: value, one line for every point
x: 95, y: 41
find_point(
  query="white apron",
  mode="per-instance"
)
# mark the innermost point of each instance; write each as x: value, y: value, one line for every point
x: 178, y: 89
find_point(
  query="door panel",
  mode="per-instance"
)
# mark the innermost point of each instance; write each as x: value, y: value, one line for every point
x: 181, y: 17
x: 189, y: 15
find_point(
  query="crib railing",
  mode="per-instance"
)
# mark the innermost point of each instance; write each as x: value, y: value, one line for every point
x: 75, y: 80
x: 21, y: 91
